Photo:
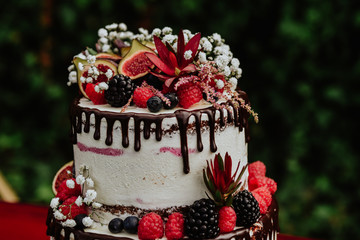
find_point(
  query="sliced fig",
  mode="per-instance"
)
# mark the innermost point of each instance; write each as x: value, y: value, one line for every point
x: 108, y: 56
x: 135, y: 64
x: 124, y: 51
x: 82, y: 66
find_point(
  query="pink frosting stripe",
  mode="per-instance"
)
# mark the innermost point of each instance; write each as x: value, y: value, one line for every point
x: 102, y: 151
x: 175, y: 151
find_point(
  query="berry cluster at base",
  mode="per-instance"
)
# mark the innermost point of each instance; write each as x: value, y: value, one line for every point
x: 227, y: 211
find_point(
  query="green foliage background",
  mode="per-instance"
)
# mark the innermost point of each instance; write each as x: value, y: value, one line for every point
x: 301, y: 70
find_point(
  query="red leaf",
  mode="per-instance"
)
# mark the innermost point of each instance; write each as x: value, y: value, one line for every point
x: 162, y: 50
x: 173, y: 60
x: 228, y: 167
x: 189, y: 68
x: 160, y: 64
x: 180, y: 47
x: 192, y: 45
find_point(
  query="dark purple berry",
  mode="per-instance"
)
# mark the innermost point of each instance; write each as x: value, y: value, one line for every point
x: 173, y: 100
x: 154, y: 104
x: 78, y: 219
x: 116, y: 225
x: 131, y: 224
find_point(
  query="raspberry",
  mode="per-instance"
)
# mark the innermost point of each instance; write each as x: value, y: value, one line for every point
x: 174, y: 227
x: 70, y: 209
x: 257, y: 169
x: 151, y: 227
x: 265, y: 194
x: 262, y: 203
x: 96, y: 97
x: 141, y: 95
x: 189, y: 94
x: 65, y: 192
x: 257, y: 182
x: 227, y: 219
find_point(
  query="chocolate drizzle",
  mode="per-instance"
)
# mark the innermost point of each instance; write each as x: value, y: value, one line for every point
x: 267, y: 224
x: 235, y: 114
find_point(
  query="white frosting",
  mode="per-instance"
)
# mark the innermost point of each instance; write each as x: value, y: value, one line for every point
x: 150, y: 179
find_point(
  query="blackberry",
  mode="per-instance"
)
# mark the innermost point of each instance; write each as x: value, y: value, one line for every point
x: 173, y: 100
x: 202, y: 220
x: 154, y: 104
x: 120, y: 90
x: 78, y: 219
x: 246, y: 208
x: 155, y: 82
x: 206, y: 98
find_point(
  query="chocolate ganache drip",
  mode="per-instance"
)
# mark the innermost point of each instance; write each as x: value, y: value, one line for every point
x: 235, y: 114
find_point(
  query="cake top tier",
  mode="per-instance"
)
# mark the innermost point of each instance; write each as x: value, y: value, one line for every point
x: 157, y: 70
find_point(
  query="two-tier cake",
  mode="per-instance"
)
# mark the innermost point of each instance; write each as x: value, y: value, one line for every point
x: 160, y: 136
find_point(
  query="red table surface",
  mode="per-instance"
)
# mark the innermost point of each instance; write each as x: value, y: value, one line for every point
x: 19, y: 221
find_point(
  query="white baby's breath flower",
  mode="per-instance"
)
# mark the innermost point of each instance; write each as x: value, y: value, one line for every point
x: 80, y: 179
x: 91, y: 59
x: 222, y: 61
x: 103, y: 86
x: 79, y: 201
x: 96, y: 205
x: 103, y: 40
x: 188, y: 33
x: 219, y: 83
x: 69, y: 83
x: 69, y: 223
x: 105, y: 48
x: 97, y: 89
x: 71, y: 67
x: 206, y: 45
x: 72, y: 77
x: 112, y: 35
x: 233, y: 81
x: 81, y: 56
x: 87, y: 221
x: 102, y: 32
x: 202, y: 57
x: 217, y: 38
x: 122, y: 27
x: 54, y: 203
x: 238, y: 72
x: 169, y: 38
x: 89, y: 79
x: 111, y: 26
x: 95, y: 71
x: 90, y: 196
x: 58, y: 215
x: 90, y: 182
x: 227, y: 71
x: 235, y: 62
x: 166, y: 30
x: 143, y: 31
x: 156, y: 32
x: 188, y: 54
x: 70, y: 183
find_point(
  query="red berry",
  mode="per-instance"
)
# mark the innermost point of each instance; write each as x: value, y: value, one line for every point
x: 96, y: 97
x: 257, y: 169
x: 174, y: 227
x: 64, y: 192
x: 257, y: 182
x: 227, y: 219
x: 262, y: 203
x: 265, y: 194
x: 189, y: 94
x: 151, y: 227
x: 141, y: 95
x: 70, y: 209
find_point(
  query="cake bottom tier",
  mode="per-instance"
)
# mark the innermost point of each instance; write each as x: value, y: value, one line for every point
x: 266, y: 228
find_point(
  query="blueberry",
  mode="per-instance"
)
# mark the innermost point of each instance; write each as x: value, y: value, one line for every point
x: 78, y: 219
x: 173, y: 99
x: 116, y: 225
x: 131, y: 224
x: 154, y: 104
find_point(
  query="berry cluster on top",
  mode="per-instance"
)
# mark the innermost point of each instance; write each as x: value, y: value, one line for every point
x: 186, y: 66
